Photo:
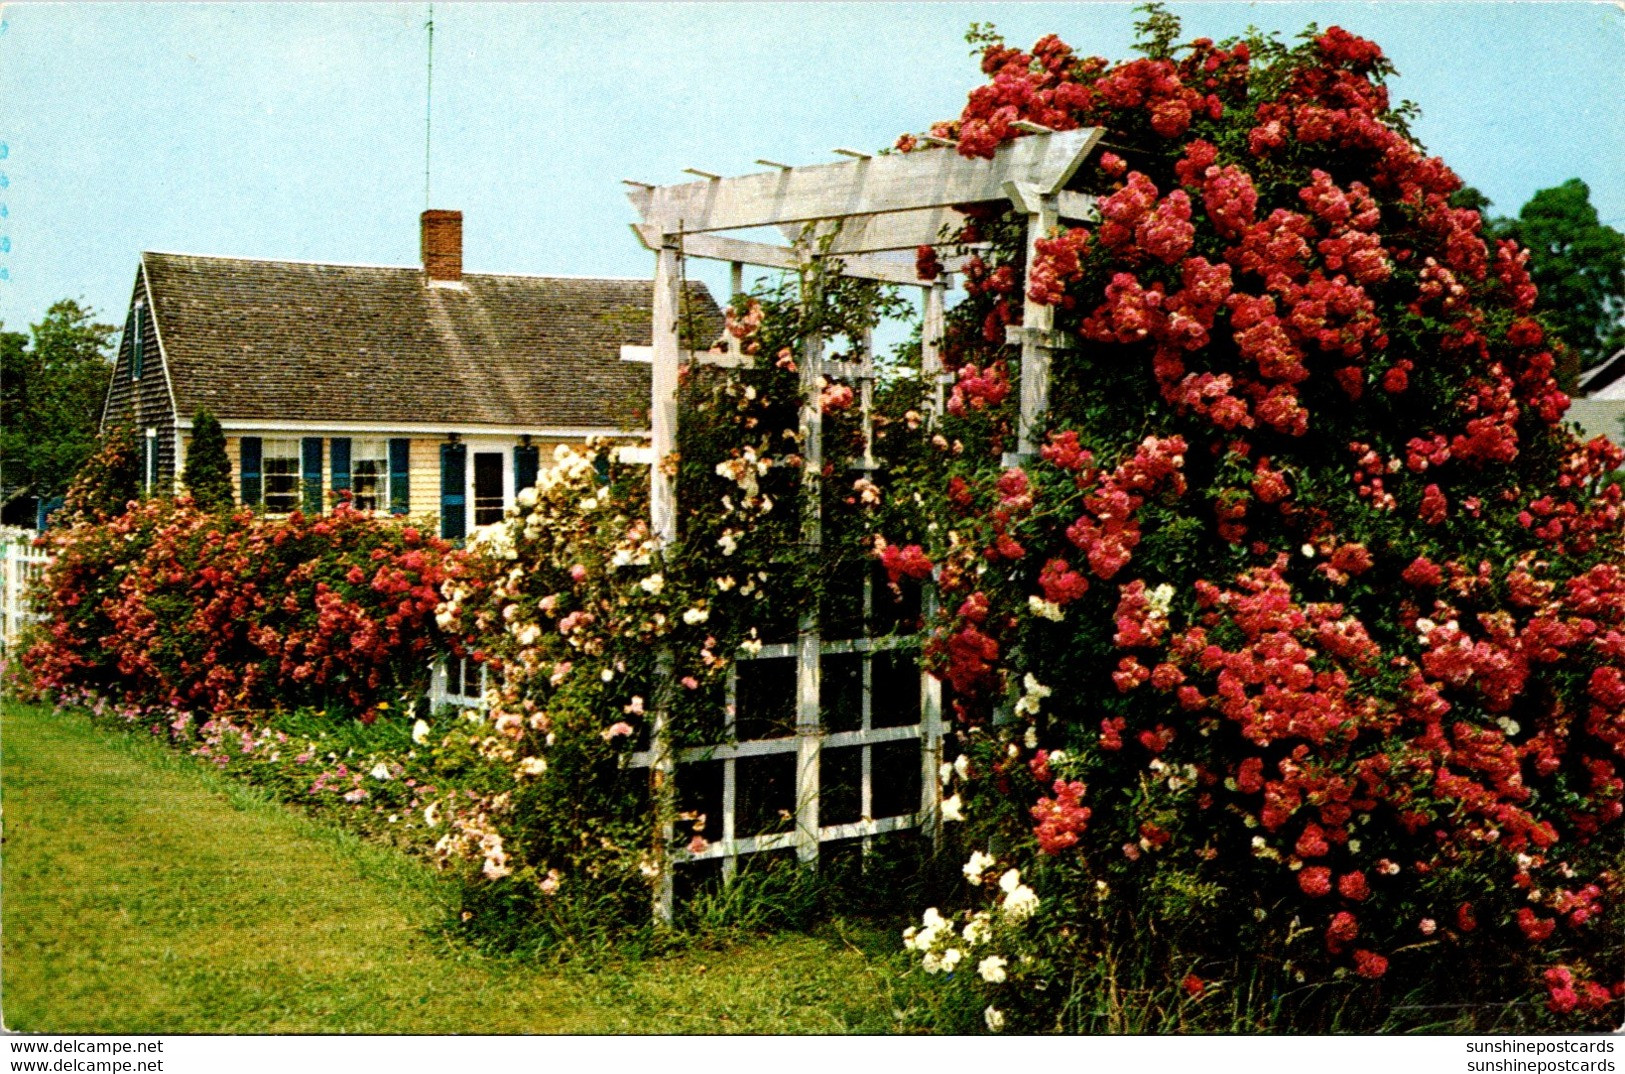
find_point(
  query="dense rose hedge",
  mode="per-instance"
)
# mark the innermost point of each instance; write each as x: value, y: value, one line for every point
x: 1337, y: 601
x: 168, y: 606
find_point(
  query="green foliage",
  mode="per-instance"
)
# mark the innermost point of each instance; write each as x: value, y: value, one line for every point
x: 52, y: 388
x: 1156, y: 32
x: 208, y: 470
x: 980, y: 36
x: 1578, y: 263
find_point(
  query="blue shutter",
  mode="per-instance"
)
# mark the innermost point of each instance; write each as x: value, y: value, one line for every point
x: 400, y: 452
x: 250, y: 454
x: 340, y: 466
x: 526, y: 461
x: 311, y: 446
x: 152, y: 462
x: 453, y: 491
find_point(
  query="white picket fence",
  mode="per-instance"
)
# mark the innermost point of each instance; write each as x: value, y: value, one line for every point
x: 20, y: 566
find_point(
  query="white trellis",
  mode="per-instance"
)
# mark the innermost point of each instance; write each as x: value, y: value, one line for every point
x: 862, y: 211
x: 20, y: 567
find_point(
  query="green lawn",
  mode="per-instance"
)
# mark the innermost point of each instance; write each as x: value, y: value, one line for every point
x: 144, y: 894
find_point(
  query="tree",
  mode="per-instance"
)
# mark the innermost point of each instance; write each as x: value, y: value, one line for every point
x: 1578, y: 263
x: 208, y: 470
x: 52, y: 387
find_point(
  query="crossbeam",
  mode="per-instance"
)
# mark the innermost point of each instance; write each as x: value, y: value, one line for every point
x: 923, y: 179
x: 905, y: 229
x: 743, y: 251
x: 632, y: 353
x: 909, y: 229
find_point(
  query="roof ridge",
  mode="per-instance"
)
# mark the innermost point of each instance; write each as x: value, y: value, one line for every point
x: 281, y: 261
x: 403, y: 268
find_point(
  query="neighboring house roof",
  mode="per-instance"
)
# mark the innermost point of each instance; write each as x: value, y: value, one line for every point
x: 1606, y: 380
x: 295, y: 341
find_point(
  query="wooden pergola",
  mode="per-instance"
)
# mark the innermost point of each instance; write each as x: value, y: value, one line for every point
x: 863, y: 210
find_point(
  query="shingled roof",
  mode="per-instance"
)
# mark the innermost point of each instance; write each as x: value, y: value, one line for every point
x: 294, y: 341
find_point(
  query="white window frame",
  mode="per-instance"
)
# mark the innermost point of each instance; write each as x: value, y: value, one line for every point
x: 504, y: 449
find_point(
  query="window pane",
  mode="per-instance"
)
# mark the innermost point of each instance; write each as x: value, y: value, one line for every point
x: 369, y: 474
x: 282, y: 476
x: 488, y: 503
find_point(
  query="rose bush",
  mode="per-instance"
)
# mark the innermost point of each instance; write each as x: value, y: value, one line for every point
x: 1338, y: 600
x: 168, y: 606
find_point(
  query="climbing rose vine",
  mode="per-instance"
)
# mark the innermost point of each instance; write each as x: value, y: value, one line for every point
x: 1338, y: 602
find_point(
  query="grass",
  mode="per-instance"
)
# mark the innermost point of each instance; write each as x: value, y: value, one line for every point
x: 146, y: 894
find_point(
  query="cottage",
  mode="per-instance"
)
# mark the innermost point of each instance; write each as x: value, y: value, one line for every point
x: 417, y: 390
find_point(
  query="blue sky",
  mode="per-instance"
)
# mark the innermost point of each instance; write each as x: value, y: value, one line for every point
x: 296, y: 131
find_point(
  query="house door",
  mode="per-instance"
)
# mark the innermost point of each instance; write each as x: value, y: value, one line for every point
x: 488, y: 494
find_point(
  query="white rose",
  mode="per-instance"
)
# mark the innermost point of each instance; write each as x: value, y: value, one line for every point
x: 991, y: 969
x: 1021, y: 903
x: 979, y: 863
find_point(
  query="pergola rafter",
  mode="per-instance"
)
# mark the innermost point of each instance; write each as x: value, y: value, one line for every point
x: 861, y: 211
x: 929, y: 178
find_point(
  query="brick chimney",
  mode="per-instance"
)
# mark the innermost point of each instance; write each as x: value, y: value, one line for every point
x: 442, y: 231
